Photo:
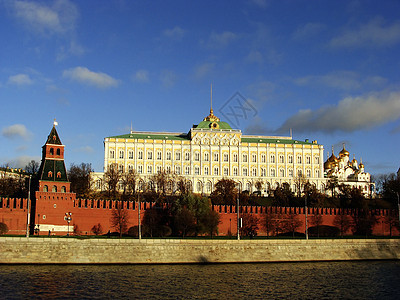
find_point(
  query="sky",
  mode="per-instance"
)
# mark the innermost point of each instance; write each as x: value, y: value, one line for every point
x: 323, y: 70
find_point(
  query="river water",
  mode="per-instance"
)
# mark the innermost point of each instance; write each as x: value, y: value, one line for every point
x: 318, y: 280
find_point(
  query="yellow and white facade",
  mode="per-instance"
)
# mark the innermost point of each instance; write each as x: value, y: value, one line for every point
x: 212, y: 150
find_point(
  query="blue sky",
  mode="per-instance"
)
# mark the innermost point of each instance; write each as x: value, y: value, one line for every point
x: 328, y: 70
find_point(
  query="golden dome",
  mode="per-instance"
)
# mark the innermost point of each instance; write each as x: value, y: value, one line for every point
x: 344, y: 152
x: 361, y: 166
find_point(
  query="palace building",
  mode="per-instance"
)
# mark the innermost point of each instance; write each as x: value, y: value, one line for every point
x: 212, y: 150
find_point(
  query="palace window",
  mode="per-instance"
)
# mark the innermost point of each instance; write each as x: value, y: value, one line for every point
x: 177, y: 156
x: 196, y: 156
x: 272, y: 172
x: 199, y: 186
x: 196, y: 170
x: 263, y: 158
x: 178, y: 170
x: 159, y: 155
x: 290, y: 159
x: 308, y: 159
x: 206, y: 170
x: 317, y: 173
x: 149, y: 169
x: 281, y: 159
x: 254, y: 172
x: 121, y: 154
x: 140, y: 154
x: 254, y: 157
x: 226, y: 171
x: 208, y: 187
x: 206, y: 156
x: 299, y: 159
x: 112, y: 154
x: 299, y: 172
x: 308, y: 173
x: 281, y: 173
x: 244, y: 171
x: 216, y: 171
x: 149, y: 155
x: 226, y: 157
x: 130, y: 154
x: 290, y: 172
x: 272, y: 158
x: 187, y: 170
x: 216, y: 156
x: 244, y: 157
x: 168, y: 156
x: 235, y: 171
x: 158, y: 169
x: 130, y: 168
x: 121, y: 168
x: 168, y: 169
x: 187, y: 155
x: 317, y: 159
x: 140, y: 169
x: 263, y: 172
x: 235, y: 157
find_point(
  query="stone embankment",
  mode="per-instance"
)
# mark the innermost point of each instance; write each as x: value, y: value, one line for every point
x: 20, y: 250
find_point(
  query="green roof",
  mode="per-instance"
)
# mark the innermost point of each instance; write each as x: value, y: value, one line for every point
x: 159, y: 136
x: 272, y: 140
x: 53, y: 137
x: 206, y: 124
x: 53, y: 167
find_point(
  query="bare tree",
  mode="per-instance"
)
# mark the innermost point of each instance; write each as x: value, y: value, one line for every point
x: 32, y: 167
x: 79, y: 176
x: 292, y: 223
x: 317, y: 220
x: 97, y: 229
x: 112, y: 177
x: 300, y: 182
x: 269, y: 222
x: 343, y: 222
x: 119, y: 218
x: 129, y: 181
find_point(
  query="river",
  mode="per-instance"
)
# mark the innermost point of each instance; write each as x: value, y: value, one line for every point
x: 318, y: 280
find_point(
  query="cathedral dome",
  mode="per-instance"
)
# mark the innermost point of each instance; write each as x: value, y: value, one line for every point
x: 344, y: 152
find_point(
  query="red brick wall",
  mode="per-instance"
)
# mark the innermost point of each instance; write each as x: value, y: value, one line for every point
x: 87, y: 213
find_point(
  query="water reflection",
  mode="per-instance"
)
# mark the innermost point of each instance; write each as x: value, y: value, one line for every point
x: 322, y: 280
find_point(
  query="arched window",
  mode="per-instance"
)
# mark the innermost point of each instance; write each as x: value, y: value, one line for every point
x: 63, y: 189
x: 196, y: 156
x: 206, y: 170
x: 272, y: 158
x: 121, y: 154
x: 54, y: 189
x: 168, y: 156
x: 51, y: 151
x: 272, y: 172
x: 226, y: 171
x: 281, y: 173
x: 58, y: 152
x: 216, y: 156
x: 208, y: 187
x: 112, y: 153
x: 206, y: 156
x: 226, y: 157
x: 149, y: 155
x: 45, y: 188
x: 235, y: 171
x: 254, y: 157
x: 263, y: 158
x: 235, y: 157
x: 216, y: 171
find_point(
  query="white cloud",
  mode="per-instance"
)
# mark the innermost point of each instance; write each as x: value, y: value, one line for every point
x: 373, y: 34
x: 350, y: 114
x: 220, y: 40
x: 168, y: 78
x: 342, y: 80
x: 175, y: 33
x: 22, y: 161
x: 16, y: 131
x: 308, y: 30
x: 20, y: 79
x: 255, y: 57
x: 84, y: 75
x: 57, y: 17
x: 203, y: 70
x: 141, y: 76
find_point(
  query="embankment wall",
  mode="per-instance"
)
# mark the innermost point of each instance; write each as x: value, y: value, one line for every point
x: 18, y: 250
